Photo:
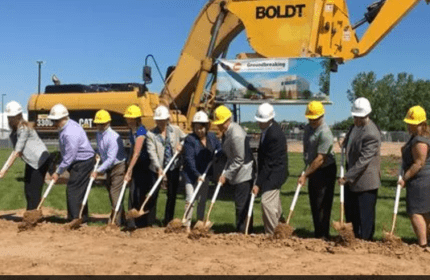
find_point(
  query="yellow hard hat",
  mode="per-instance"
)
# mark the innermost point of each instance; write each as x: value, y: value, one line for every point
x: 415, y: 115
x: 132, y: 112
x: 314, y: 110
x: 222, y: 114
x: 102, y: 117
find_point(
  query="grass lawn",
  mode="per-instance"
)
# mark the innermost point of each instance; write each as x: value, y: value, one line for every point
x: 223, y: 215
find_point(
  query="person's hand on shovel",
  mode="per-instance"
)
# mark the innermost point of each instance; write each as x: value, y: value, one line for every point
x: 341, y: 181
x: 255, y: 190
x: 94, y: 175
x: 302, y: 180
x: 127, y: 176
x: 55, y: 177
x: 160, y: 172
x: 179, y: 147
x: 222, y: 180
x: 401, y: 182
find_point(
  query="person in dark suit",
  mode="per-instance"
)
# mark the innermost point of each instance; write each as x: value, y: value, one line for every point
x: 272, y: 166
x: 363, y: 176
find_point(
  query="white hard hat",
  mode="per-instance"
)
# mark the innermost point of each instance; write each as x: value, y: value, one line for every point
x: 57, y: 112
x: 361, y: 107
x: 13, y: 109
x: 200, y: 117
x: 265, y: 113
x: 161, y: 113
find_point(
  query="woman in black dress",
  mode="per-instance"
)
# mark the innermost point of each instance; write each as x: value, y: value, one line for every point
x: 416, y: 167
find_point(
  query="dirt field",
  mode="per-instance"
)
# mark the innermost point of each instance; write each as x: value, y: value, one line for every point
x: 51, y: 249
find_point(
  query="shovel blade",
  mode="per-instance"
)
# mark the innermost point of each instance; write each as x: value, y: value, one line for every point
x: 199, y: 225
x: 32, y: 216
x: 208, y: 224
x: 75, y: 224
x: 133, y: 213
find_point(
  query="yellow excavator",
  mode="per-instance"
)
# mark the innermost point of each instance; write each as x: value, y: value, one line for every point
x: 274, y: 28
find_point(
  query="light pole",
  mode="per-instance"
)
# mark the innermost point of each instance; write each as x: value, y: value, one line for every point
x: 40, y: 75
x: 2, y: 115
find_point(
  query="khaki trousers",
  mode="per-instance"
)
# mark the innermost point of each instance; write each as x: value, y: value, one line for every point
x: 114, y: 182
x: 272, y: 209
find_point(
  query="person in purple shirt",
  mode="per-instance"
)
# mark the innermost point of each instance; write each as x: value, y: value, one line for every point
x: 77, y: 158
x: 112, y: 153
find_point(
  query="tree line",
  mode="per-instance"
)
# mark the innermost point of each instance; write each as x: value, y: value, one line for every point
x: 390, y: 97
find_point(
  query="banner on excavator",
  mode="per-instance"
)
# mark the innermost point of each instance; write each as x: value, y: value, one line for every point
x: 293, y: 80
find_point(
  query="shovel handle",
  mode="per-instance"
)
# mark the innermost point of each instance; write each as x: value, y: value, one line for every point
x: 396, y: 205
x: 51, y: 183
x: 293, y: 203
x: 251, y: 207
x: 196, y: 191
x: 151, y: 192
x: 119, y: 202
x: 7, y: 163
x: 87, y: 192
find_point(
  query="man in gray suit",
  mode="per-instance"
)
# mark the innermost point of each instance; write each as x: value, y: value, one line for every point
x: 239, y: 170
x: 362, y: 179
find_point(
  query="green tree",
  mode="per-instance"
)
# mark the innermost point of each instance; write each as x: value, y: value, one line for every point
x: 283, y: 94
x: 324, y: 79
x: 390, y: 97
x: 307, y: 94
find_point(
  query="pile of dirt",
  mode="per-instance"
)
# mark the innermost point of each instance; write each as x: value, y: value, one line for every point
x: 283, y: 231
x: 346, y: 233
x: 175, y: 226
x: 74, y: 224
x: 199, y: 232
x: 50, y: 249
x: 32, y: 216
x: 392, y: 239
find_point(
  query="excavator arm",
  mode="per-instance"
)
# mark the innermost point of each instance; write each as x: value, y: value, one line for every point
x: 275, y: 28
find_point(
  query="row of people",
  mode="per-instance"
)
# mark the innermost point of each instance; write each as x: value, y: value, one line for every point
x: 152, y: 151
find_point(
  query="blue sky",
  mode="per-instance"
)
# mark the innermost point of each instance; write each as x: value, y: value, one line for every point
x: 102, y: 41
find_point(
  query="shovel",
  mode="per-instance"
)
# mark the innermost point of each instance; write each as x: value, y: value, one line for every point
x: 345, y: 230
x: 196, y: 191
x: 7, y: 163
x: 251, y: 207
x: 208, y: 224
x: 119, y: 202
x: 390, y: 236
x: 133, y: 213
x: 33, y: 216
x: 293, y: 203
x: 77, y: 222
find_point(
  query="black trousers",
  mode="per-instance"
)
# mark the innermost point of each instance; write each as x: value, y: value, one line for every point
x: 172, y: 190
x: 360, y: 210
x: 143, y: 180
x: 33, y: 184
x: 80, y: 172
x: 321, y: 190
x: 242, y: 198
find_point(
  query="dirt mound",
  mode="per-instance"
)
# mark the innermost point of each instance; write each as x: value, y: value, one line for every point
x: 50, y: 249
x: 199, y: 232
x: 175, y: 226
x: 32, y: 216
x: 283, y: 231
x: 392, y: 239
x: 346, y: 233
